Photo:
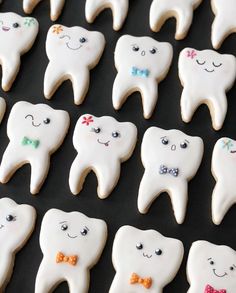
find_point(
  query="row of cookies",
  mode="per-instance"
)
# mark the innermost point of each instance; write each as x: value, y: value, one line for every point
x: 72, y: 244
x: 161, y: 10
x: 170, y: 157
x: 141, y: 62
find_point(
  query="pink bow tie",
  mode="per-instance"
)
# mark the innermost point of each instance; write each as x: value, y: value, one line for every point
x: 210, y: 289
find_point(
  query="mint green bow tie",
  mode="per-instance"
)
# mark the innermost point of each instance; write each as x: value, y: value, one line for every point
x: 33, y: 142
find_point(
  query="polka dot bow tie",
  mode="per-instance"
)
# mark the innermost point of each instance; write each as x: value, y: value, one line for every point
x: 72, y: 260
x: 140, y: 72
x: 146, y: 282
x: 210, y: 289
x: 165, y: 170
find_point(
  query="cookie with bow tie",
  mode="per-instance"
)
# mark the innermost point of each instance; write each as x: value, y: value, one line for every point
x: 35, y: 132
x: 211, y: 268
x: 71, y: 243
x: 170, y: 158
x: 145, y: 261
x: 142, y: 63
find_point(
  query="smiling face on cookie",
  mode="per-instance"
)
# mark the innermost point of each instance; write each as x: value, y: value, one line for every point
x: 146, y: 253
x: 104, y: 134
x: 37, y: 123
x: 213, y: 265
x: 207, y: 68
x: 172, y: 149
x: 16, y: 32
x: 74, y: 43
x: 73, y: 233
x: 134, y: 54
x: 16, y: 224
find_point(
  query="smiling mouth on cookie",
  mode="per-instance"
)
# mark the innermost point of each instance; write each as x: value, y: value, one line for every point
x: 146, y: 255
x: 71, y: 48
x: 233, y: 151
x: 1, y: 226
x: 73, y: 237
x: 219, y: 276
x: 209, y: 71
x: 104, y: 143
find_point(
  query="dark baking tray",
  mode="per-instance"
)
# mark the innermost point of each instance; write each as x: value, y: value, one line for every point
x: 121, y: 207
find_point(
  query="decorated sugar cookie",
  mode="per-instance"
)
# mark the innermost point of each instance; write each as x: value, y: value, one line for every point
x: 182, y: 10
x: 145, y: 261
x: 142, y: 63
x: 119, y: 10
x: 71, y: 244
x: 224, y: 23
x: 223, y: 169
x: 17, y: 36
x: 206, y: 77
x: 170, y: 158
x: 35, y: 132
x: 72, y: 52
x: 211, y: 268
x: 56, y: 7
x: 102, y: 144
x: 16, y: 225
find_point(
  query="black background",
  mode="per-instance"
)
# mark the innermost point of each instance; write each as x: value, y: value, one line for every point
x: 121, y: 207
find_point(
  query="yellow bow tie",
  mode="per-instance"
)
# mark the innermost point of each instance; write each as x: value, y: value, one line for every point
x: 72, y: 259
x: 146, y: 282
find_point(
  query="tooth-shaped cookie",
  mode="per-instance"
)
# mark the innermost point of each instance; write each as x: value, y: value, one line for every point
x: 182, y: 10
x: 145, y: 261
x: 119, y: 10
x: 56, y: 7
x: 72, y: 52
x: 103, y: 144
x: 35, y: 132
x: 211, y: 268
x: 142, y: 63
x: 170, y: 158
x: 206, y: 77
x: 17, y: 36
x: 72, y: 244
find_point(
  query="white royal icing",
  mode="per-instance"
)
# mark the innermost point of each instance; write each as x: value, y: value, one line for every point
x: 223, y: 170
x: 35, y: 132
x: 145, y: 261
x: 72, y: 52
x: 170, y: 158
x: 17, y: 36
x: 56, y: 7
x: 16, y: 225
x: 119, y: 10
x: 71, y: 244
x: 211, y: 268
x: 102, y: 144
x: 206, y: 77
x: 224, y: 23
x: 182, y: 10
x: 142, y: 63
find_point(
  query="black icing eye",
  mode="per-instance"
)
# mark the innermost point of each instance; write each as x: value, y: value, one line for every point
x: 216, y: 65
x: 153, y: 50
x: 64, y: 227
x: 139, y: 246
x: 165, y: 141
x: 200, y: 63
x: 183, y: 145
x: 10, y: 218
x: 97, y: 130
x: 212, y: 262
x: 135, y: 48
x: 158, y: 251
x: 231, y: 268
x: 84, y: 232
x: 82, y: 40
x: 46, y: 121
x: 115, y: 134
x: 16, y: 25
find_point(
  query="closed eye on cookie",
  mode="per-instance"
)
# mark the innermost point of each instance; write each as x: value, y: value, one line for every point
x: 65, y: 36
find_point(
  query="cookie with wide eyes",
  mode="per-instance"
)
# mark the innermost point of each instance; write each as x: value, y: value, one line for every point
x: 119, y: 10
x: 206, y: 77
x: 211, y: 268
x: 144, y: 260
x: 142, y: 63
x: 103, y: 143
x: 72, y: 53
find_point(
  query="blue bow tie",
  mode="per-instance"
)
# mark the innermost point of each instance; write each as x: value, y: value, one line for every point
x: 165, y: 170
x: 140, y: 72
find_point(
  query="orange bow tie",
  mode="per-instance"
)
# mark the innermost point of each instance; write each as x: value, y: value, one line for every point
x: 146, y: 282
x: 72, y: 260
